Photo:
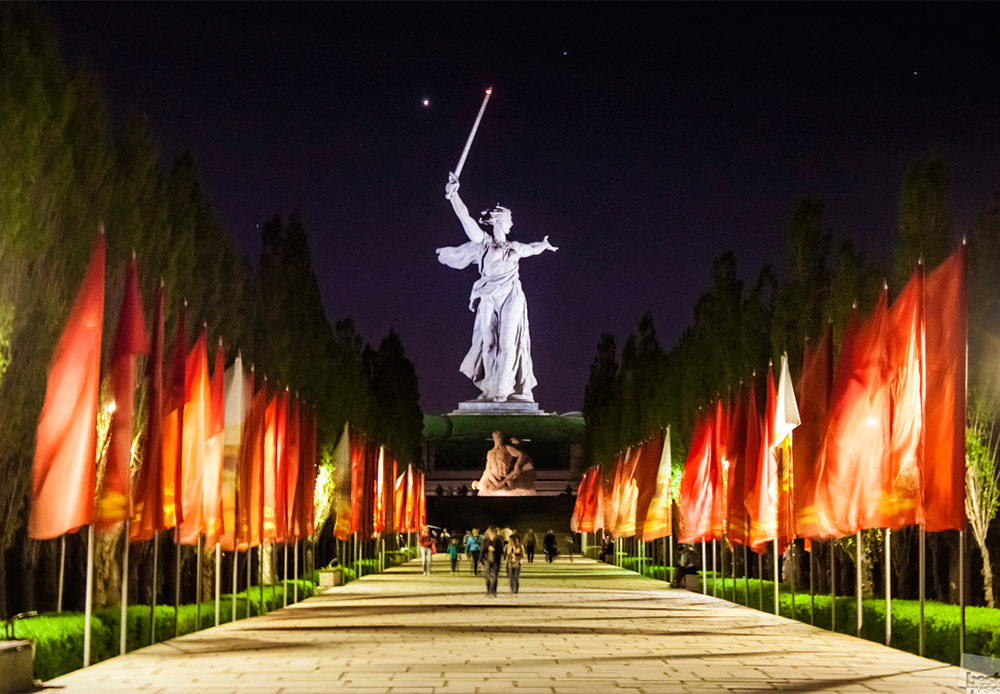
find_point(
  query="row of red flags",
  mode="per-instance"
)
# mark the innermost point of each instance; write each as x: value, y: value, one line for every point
x: 220, y: 456
x: 878, y: 442
x: 374, y: 497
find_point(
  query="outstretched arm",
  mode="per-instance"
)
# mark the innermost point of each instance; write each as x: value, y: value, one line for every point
x: 472, y: 229
x: 529, y: 249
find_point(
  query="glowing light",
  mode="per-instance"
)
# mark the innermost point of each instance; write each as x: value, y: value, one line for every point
x: 111, y: 407
x: 872, y: 421
x: 490, y: 90
x: 427, y: 102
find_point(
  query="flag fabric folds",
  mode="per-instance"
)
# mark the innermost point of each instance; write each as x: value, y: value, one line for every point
x: 944, y: 453
x: 149, y: 509
x: 657, y: 522
x: 114, y: 499
x: 193, y: 437
x: 698, y: 483
x: 215, y: 439
x: 173, y: 425
x: 238, y: 396
x: 737, y: 518
x: 814, y: 396
x: 63, y: 471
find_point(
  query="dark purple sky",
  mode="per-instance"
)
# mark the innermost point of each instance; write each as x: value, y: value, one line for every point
x: 645, y: 139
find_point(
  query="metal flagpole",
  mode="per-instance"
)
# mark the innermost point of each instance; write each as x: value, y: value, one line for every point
x: 249, y: 559
x: 89, y: 602
x: 961, y: 593
x: 777, y: 611
x: 888, y: 587
x: 922, y: 589
x: 296, y: 571
x: 218, y: 582
x: 236, y: 567
x: 791, y: 575
x: 177, y: 580
x: 197, y: 584
x: 715, y: 583
x: 152, y: 603
x: 746, y: 577
x: 62, y: 572
x: 124, y: 619
x: 704, y: 570
x: 812, y: 583
x: 284, y: 574
x: 760, y: 581
x: 857, y: 579
x: 833, y: 585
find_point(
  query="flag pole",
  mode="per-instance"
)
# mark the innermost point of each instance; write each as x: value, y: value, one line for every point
x: 236, y: 566
x: 760, y: 581
x: 62, y: 572
x: 89, y: 601
x: 218, y: 582
x: 791, y: 575
x: 260, y: 571
x: 777, y: 577
x: 857, y: 587
x: 152, y: 602
x: 715, y: 583
x: 812, y: 584
x: 124, y: 617
x: 295, y: 572
x: 284, y: 574
x: 704, y: 570
x: 833, y: 585
x: 198, y: 584
x: 177, y: 580
x: 961, y: 593
x: 922, y: 587
x: 888, y: 587
x: 746, y: 577
x: 249, y: 559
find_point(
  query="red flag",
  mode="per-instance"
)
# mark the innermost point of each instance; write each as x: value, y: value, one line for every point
x: 767, y: 522
x: 173, y: 426
x: 293, y: 484
x: 720, y: 436
x: 814, y: 396
x: 755, y: 436
x: 114, y: 500
x: 378, y: 508
x: 281, y: 469
x: 62, y: 493
x: 250, y: 493
x: 902, y: 496
x: 238, y: 396
x: 588, y: 512
x: 194, y: 437
x: 657, y: 518
x: 697, y: 491
x: 856, y: 445
x: 270, y: 467
x: 737, y: 519
x: 399, y: 504
x: 149, y: 497
x: 215, y: 450
x: 944, y: 454
x: 421, y: 501
x: 647, y: 472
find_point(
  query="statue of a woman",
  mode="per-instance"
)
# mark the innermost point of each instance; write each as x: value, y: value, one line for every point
x: 499, y: 361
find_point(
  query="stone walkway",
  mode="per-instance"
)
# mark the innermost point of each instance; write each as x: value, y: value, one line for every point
x: 575, y: 627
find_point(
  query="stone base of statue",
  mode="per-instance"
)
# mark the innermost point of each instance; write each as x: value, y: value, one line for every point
x: 507, y: 407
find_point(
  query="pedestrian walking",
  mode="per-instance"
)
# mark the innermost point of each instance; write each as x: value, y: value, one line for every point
x: 453, y: 553
x: 474, y: 548
x: 549, y: 545
x: 492, y: 554
x: 529, y: 545
x: 426, y: 543
x: 514, y: 556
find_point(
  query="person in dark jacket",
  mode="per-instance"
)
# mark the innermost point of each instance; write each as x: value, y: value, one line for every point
x: 549, y: 544
x: 492, y: 554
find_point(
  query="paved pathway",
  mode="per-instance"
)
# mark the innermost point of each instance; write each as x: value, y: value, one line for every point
x: 575, y: 627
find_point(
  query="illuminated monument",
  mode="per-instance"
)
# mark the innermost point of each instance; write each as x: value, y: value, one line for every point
x: 499, y: 360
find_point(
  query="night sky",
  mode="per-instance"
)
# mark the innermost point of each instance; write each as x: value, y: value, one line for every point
x: 644, y: 139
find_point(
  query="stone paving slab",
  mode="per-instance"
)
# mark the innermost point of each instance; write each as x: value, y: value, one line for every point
x: 576, y: 627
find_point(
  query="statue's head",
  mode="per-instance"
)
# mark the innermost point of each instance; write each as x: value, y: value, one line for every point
x: 498, y: 438
x: 499, y: 218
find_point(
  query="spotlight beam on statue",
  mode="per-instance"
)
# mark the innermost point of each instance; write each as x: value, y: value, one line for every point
x: 472, y: 135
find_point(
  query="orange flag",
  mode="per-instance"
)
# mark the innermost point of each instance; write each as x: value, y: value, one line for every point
x: 697, y: 491
x: 270, y: 479
x: 814, y: 396
x: 293, y: 485
x: 737, y: 519
x: 647, y: 475
x: 945, y: 320
x: 250, y: 496
x: 149, y: 499
x: 399, y: 504
x: 902, y: 495
x: 62, y: 491
x: 238, y: 397
x: 194, y: 436
x: 855, y: 461
x: 215, y: 450
x: 114, y: 500
x: 657, y: 519
x: 281, y: 469
x: 764, y: 509
x: 173, y: 426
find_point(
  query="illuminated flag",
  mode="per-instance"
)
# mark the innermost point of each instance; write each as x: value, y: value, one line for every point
x: 293, y: 482
x: 238, y: 398
x: 173, y: 425
x: 737, y: 519
x: 270, y: 467
x: 902, y: 497
x: 62, y: 492
x: 342, y: 485
x: 149, y: 496
x: 214, y: 450
x: 114, y: 500
x: 944, y: 439
x: 378, y: 510
x: 856, y: 448
x: 814, y: 396
x: 697, y: 490
x: 194, y: 437
x: 657, y: 521
x: 250, y: 490
x: 399, y: 504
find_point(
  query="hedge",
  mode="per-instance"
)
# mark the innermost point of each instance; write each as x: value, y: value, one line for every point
x: 59, y: 637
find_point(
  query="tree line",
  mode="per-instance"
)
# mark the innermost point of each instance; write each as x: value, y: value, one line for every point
x: 65, y: 173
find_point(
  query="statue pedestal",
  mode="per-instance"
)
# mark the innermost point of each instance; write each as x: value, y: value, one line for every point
x: 508, y: 407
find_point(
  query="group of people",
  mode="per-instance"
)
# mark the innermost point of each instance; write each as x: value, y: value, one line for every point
x: 487, y: 551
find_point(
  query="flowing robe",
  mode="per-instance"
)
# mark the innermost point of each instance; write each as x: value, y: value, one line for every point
x: 499, y: 363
